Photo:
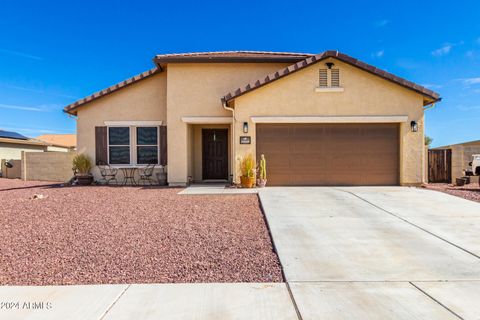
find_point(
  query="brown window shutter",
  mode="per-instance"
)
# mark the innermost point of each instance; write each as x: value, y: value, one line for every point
x: 163, y: 145
x: 101, y: 145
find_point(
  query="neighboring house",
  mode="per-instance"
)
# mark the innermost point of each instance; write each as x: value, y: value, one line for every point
x: 59, y: 142
x: 325, y: 119
x: 11, y: 146
x: 461, y: 156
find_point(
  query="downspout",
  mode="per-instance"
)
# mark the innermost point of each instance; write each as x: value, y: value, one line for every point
x: 232, y: 165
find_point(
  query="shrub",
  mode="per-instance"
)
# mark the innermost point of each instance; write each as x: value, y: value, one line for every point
x: 247, y: 166
x: 82, y: 163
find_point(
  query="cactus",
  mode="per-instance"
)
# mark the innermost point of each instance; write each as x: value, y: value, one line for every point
x: 263, y: 168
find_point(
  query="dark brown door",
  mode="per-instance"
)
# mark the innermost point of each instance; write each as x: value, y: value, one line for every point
x: 215, y: 153
x: 330, y: 154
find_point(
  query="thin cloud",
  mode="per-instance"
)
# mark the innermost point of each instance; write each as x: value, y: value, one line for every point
x: 432, y: 86
x: 41, y: 108
x: 20, y: 54
x: 442, y: 51
x: 39, y: 91
x: 29, y: 130
x: 381, y: 23
x: 470, y: 81
x: 468, y: 108
x: 378, y: 54
x: 445, y: 49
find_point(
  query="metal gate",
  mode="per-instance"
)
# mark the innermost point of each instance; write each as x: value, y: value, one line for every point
x: 440, y: 165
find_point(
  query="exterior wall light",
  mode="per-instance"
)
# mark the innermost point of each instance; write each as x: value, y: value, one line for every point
x: 414, y: 126
x: 245, y: 127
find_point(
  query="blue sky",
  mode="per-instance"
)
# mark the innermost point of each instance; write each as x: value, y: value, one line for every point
x: 55, y: 52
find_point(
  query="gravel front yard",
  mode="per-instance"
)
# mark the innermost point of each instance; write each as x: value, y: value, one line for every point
x: 92, y: 235
x: 469, y: 191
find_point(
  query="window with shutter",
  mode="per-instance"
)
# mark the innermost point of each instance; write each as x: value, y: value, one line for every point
x: 135, y: 145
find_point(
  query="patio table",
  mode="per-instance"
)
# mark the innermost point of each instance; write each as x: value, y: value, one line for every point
x: 128, y: 174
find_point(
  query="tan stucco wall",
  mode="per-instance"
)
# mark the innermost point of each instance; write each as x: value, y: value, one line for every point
x: 141, y: 101
x: 11, y: 173
x: 14, y: 151
x: 364, y: 95
x: 195, y: 90
x: 58, y: 149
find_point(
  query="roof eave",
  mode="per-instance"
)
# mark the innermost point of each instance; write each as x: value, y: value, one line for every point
x: 72, y: 108
x: 435, y: 97
x: 199, y: 59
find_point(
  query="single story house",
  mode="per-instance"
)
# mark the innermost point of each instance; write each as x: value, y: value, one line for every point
x: 461, y: 156
x: 11, y: 146
x: 319, y: 119
x: 59, y: 142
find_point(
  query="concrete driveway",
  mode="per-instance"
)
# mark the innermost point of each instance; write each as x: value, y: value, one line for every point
x: 377, y: 252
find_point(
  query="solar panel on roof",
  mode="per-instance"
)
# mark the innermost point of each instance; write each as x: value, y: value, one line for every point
x: 11, y: 135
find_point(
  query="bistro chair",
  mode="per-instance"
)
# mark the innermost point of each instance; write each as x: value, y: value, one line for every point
x: 146, y: 174
x: 108, y: 173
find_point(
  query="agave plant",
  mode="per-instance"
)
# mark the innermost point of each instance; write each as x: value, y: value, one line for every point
x: 82, y: 164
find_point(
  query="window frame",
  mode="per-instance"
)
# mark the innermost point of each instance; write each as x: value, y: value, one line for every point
x: 147, y: 145
x: 132, y: 131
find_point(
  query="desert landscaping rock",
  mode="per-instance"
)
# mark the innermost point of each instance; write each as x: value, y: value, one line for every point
x: 469, y: 191
x: 95, y: 235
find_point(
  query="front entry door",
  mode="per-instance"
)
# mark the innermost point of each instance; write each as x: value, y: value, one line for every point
x: 215, y: 154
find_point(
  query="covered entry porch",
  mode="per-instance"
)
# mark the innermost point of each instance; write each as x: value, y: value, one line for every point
x: 209, y: 149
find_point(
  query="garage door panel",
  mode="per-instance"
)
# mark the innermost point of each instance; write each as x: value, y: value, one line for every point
x: 330, y: 154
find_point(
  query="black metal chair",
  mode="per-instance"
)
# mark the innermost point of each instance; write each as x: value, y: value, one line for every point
x: 146, y: 174
x: 108, y: 174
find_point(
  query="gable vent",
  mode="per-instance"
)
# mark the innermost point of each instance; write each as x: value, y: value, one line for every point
x: 335, y: 81
x: 322, y: 76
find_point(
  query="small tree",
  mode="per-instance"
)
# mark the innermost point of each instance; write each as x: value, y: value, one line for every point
x: 428, y: 141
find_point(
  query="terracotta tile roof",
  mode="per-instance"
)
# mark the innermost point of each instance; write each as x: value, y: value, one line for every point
x: 71, y: 108
x: 61, y: 140
x: 232, y: 56
x: 322, y: 56
x: 220, y: 56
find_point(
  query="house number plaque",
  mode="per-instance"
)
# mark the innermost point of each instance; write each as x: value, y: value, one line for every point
x: 245, y: 140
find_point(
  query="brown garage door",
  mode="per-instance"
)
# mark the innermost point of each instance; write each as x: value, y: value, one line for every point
x: 330, y: 154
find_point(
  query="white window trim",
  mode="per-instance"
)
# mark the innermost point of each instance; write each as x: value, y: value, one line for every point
x: 207, y: 120
x: 329, y: 89
x: 133, y: 123
x: 333, y: 119
x: 132, y: 129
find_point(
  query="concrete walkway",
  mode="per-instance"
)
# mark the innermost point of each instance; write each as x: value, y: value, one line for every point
x: 214, y: 188
x: 377, y: 252
x: 255, y: 301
